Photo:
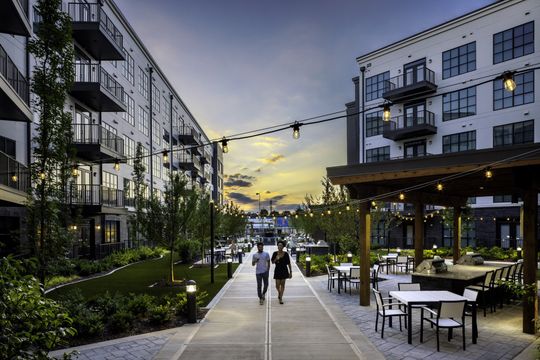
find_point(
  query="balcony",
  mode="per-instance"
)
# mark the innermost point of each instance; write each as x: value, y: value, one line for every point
x: 14, y: 181
x: 94, y: 142
x: 94, y: 31
x: 188, y: 162
x: 188, y: 135
x: 410, y: 85
x: 401, y: 127
x: 96, y: 199
x: 95, y: 88
x: 14, y: 17
x: 14, y: 91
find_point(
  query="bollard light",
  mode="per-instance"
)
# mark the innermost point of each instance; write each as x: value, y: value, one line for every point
x: 519, y: 252
x: 240, y: 253
x: 398, y: 250
x: 229, y: 268
x: 191, y: 290
x: 349, y: 257
x: 308, y: 266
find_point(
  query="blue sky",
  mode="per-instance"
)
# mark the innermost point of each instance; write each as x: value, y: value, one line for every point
x: 246, y: 64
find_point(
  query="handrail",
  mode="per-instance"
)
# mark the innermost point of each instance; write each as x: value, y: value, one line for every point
x: 97, y: 134
x: 408, y: 79
x: 84, y: 12
x: 14, y: 77
x: 13, y: 174
x: 84, y: 194
x: 423, y: 117
x: 93, y: 72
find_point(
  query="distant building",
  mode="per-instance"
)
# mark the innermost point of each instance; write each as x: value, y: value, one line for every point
x: 440, y: 88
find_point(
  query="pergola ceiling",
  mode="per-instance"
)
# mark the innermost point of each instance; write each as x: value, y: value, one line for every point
x: 514, y: 169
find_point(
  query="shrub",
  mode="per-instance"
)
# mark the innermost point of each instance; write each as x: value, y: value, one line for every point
x: 108, y: 304
x: 188, y: 249
x: 139, y: 305
x: 121, y: 321
x: 160, y: 314
x: 88, y: 323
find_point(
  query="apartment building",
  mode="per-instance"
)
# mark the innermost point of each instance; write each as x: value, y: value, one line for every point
x: 444, y: 91
x: 120, y: 97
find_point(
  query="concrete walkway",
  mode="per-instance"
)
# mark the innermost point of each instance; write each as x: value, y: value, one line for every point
x: 309, y: 325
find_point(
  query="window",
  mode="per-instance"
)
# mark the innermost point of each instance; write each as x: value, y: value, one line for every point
x: 502, y: 198
x: 109, y: 180
x: 459, y: 103
x: 374, y: 124
x: 157, y: 165
x: 7, y: 146
x: 414, y: 148
x: 146, y: 159
x: 156, y: 133
x: 129, y: 192
x: 378, y: 154
x: 128, y: 68
x: 143, y: 83
x: 166, y: 109
x: 109, y: 128
x: 513, y: 134
x: 129, y: 115
x: 459, y: 142
x: 513, y: 43
x: 129, y: 149
x: 523, y: 94
x: 112, y: 234
x: 143, y: 125
x: 471, y: 200
x: 375, y: 85
x: 155, y: 98
x: 459, y: 60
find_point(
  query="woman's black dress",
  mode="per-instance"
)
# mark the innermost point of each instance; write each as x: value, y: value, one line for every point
x: 282, y: 270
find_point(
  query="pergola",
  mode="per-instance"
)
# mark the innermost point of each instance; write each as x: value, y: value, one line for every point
x: 515, y: 169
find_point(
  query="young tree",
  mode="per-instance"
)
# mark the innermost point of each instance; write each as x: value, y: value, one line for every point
x: 232, y: 222
x: 139, y: 189
x: 199, y: 226
x: 50, y: 172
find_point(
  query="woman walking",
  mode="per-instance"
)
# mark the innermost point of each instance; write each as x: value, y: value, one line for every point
x: 283, y: 269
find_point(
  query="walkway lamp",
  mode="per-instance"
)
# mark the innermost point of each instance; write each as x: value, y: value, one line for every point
x: 229, y: 267
x: 191, y: 290
x: 240, y: 253
x: 308, y: 266
x: 519, y: 252
x: 349, y: 257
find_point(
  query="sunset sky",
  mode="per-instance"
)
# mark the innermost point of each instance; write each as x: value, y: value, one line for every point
x: 241, y: 65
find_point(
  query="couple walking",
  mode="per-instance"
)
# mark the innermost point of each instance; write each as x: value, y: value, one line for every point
x: 282, y: 271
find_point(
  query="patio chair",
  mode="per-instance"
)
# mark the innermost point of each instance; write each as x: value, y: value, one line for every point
x: 382, y: 262
x: 485, y: 289
x: 354, y: 278
x: 332, y: 277
x: 451, y: 315
x: 375, y: 276
x: 384, y: 312
x: 402, y: 263
x: 411, y: 287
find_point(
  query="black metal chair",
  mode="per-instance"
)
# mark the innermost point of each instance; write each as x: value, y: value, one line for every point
x: 451, y: 315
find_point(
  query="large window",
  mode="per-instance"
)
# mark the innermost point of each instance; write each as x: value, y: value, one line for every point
x: 459, y: 142
x: 143, y: 124
x: 375, y: 85
x: 459, y: 60
x: 112, y: 233
x: 502, y: 198
x: 129, y: 115
x: 523, y: 94
x: 157, y: 165
x: 156, y: 133
x: 128, y: 68
x: 143, y: 83
x: 109, y: 180
x: 156, y: 96
x: 459, y: 103
x: 513, y: 134
x: 374, y: 124
x: 129, y: 149
x: 378, y: 154
x: 146, y: 159
x: 513, y: 43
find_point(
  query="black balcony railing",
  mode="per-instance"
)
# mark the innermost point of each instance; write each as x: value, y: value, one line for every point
x: 402, y: 122
x: 13, y: 76
x: 95, y: 195
x: 94, y: 73
x: 13, y: 173
x: 409, y: 78
x: 93, y: 13
x: 97, y: 134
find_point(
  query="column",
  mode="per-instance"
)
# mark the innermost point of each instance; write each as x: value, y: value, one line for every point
x: 364, y: 243
x: 418, y: 232
x: 530, y: 300
x: 457, y: 233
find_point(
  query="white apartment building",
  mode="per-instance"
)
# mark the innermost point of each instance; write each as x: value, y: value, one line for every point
x: 441, y: 89
x: 120, y: 97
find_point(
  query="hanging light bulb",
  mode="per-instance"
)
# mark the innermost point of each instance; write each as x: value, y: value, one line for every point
x: 296, y: 130
x: 165, y: 156
x: 75, y: 170
x: 42, y: 175
x: 224, y: 145
x: 488, y: 174
x: 347, y: 207
x: 117, y: 165
x: 329, y: 211
x: 508, y: 80
x: 440, y: 186
x: 14, y: 177
x: 386, y: 112
x: 373, y: 203
x: 310, y: 214
x: 401, y: 196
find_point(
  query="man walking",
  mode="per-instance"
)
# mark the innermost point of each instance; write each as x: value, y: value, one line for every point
x: 261, y: 261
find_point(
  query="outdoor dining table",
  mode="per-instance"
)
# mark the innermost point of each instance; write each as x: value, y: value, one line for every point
x: 391, y: 259
x: 345, y: 269
x: 411, y: 298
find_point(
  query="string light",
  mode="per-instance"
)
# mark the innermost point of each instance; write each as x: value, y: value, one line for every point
x: 401, y: 196
x: 328, y: 211
x: 508, y: 80
x: 42, y: 175
x: 488, y: 173
x: 14, y: 177
x: 296, y: 130
x: 165, y: 156
x: 117, y: 165
x: 440, y: 186
x: 348, y: 207
x: 386, y: 112
x: 75, y: 170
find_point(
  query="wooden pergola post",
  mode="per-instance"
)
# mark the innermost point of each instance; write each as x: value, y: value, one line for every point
x: 418, y: 232
x: 457, y: 233
x: 364, y: 244
x: 530, y: 300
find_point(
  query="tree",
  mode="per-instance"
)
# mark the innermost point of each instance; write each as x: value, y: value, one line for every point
x: 139, y: 190
x: 383, y: 219
x: 199, y: 226
x: 233, y: 222
x: 50, y: 172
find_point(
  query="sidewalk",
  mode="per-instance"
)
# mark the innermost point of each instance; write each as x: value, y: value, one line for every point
x: 310, y: 325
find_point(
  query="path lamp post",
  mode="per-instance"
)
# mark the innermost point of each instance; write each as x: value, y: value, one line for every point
x: 260, y: 217
x: 229, y: 268
x: 240, y: 253
x: 434, y: 250
x: 191, y: 290
x: 349, y: 257
x: 519, y: 252
x: 308, y: 266
x: 212, y: 242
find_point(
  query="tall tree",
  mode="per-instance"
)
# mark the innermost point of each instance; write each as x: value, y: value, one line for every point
x: 53, y: 76
x: 139, y: 190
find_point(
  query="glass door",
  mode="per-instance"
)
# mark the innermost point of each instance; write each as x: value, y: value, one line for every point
x: 415, y: 149
x: 415, y: 114
x: 414, y: 72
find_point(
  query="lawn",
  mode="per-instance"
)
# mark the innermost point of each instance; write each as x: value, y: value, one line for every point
x: 137, y: 279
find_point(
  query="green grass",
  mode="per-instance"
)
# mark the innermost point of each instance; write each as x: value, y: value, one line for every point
x: 137, y: 279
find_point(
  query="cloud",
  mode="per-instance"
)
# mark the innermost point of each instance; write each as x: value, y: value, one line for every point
x: 240, y: 198
x: 239, y: 180
x: 274, y: 158
x: 278, y: 198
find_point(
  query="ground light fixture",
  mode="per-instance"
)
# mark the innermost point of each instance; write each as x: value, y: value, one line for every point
x: 229, y: 267
x: 224, y: 142
x: 308, y: 266
x: 349, y: 257
x: 519, y: 252
x: 191, y: 290
x: 398, y: 250
x: 296, y: 130
x: 508, y: 80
